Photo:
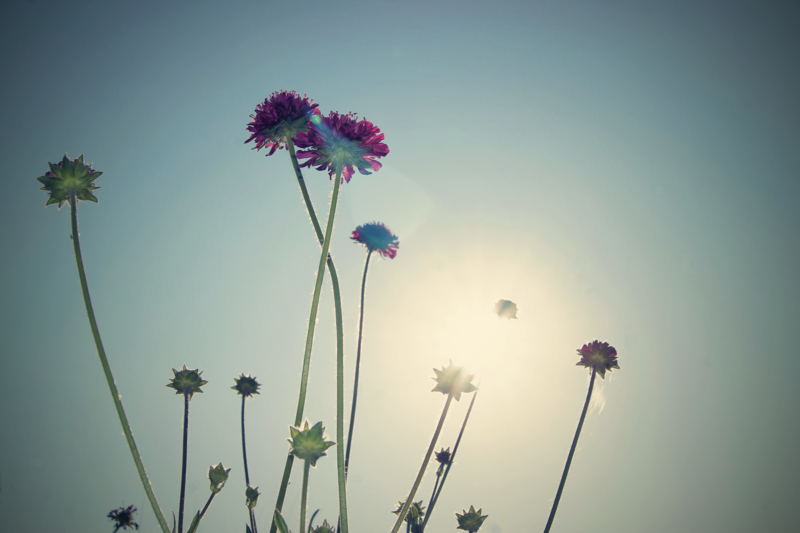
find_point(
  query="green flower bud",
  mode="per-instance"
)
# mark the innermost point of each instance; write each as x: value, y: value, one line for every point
x: 217, y: 475
x: 470, y: 521
x: 309, y: 444
x: 68, y: 178
x: 453, y: 380
x: 324, y: 528
x: 251, y: 496
x: 186, y: 381
x: 246, y: 385
x: 415, y: 512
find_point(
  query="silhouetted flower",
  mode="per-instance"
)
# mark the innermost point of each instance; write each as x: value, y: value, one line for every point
x: 186, y: 381
x: 506, y: 309
x: 377, y: 237
x: 599, y: 356
x: 309, y: 444
x: 217, y: 475
x: 470, y: 520
x: 123, y: 517
x: 443, y: 457
x: 69, y: 177
x: 453, y: 380
x: 278, y: 118
x: 246, y: 385
x: 341, y: 140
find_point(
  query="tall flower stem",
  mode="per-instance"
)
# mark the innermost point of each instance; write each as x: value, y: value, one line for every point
x: 246, y: 473
x: 571, y: 453
x: 183, y: 461
x: 425, y: 461
x: 358, y: 366
x: 436, y: 493
x: 337, y: 302
x: 304, y: 496
x: 115, y: 396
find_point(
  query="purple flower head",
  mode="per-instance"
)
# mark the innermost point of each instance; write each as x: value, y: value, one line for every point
x: 341, y: 140
x: 377, y: 237
x: 599, y: 356
x: 278, y: 118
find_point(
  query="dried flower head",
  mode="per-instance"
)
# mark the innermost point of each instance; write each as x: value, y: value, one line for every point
x: 246, y: 385
x: 377, y: 237
x: 309, y: 444
x: 278, y: 118
x: 251, y: 496
x: 471, y: 520
x: 186, y: 381
x: 599, y: 356
x: 453, y: 380
x: 123, y: 518
x: 68, y: 178
x: 324, y: 528
x: 217, y: 475
x: 415, y: 512
x: 341, y: 141
x: 506, y: 309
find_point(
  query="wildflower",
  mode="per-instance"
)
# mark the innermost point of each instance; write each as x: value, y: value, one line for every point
x: 68, y: 178
x: 506, y: 309
x: 278, y: 119
x: 309, y: 444
x: 443, y: 457
x: 186, y: 381
x: 246, y: 385
x: 341, y: 141
x: 217, y: 475
x: 123, y: 518
x: 415, y: 511
x: 453, y: 380
x: 324, y: 528
x: 377, y: 237
x: 470, y: 520
x: 251, y: 496
x: 599, y: 356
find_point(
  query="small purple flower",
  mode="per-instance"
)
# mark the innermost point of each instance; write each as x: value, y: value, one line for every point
x: 278, y: 118
x: 377, y: 237
x: 599, y: 356
x: 123, y: 518
x: 341, y: 140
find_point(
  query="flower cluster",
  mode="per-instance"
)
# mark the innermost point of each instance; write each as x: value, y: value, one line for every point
x: 377, y: 238
x: 598, y: 356
x: 278, y: 119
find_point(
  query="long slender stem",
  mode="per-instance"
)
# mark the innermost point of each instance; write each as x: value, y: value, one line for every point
x: 244, y: 447
x: 207, y: 505
x: 358, y: 367
x: 435, y: 498
x: 410, y: 498
x: 183, y: 462
x: 571, y: 453
x: 115, y: 396
x: 304, y: 496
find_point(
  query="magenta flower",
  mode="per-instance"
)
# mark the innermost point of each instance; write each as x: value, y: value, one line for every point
x: 278, y: 118
x: 599, y: 356
x: 341, y: 140
x: 377, y: 237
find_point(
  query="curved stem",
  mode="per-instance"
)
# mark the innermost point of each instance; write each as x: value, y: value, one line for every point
x: 358, y: 366
x: 183, y: 462
x: 115, y: 396
x: 571, y: 453
x: 304, y: 496
x: 406, y: 506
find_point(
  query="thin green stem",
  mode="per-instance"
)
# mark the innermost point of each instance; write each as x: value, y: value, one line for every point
x: 358, y: 367
x: 207, y: 505
x: 571, y: 453
x: 244, y: 447
x: 115, y: 396
x: 435, y: 498
x: 410, y: 498
x: 304, y: 496
x: 183, y: 462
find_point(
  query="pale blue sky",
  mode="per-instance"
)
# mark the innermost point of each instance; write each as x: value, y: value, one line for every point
x: 626, y: 171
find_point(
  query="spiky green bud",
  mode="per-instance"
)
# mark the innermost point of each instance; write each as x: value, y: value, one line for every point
x: 309, y: 444
x: 246, y: 385
x: 68, y: 178
x: 453, y: 380
x: 186, y: 381
x: 470, y: 520
x: 217, y: 475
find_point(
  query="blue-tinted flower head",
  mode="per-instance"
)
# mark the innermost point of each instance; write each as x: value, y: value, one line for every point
x: 377, y: 238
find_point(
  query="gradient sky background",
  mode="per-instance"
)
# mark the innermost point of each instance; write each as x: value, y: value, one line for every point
x: 626, y: 171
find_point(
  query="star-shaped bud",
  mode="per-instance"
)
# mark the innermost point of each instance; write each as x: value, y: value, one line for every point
x: 69, y: 178
x: 470, y: 520
x: 309, y: 444
x: 453, y: 380
x: 186, y: 381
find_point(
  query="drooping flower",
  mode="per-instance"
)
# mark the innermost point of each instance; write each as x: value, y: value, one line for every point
x: 186, y: 381
x: 599, y: 356
x: 471, y: 520
x: 218, y: 475
x: 415, y: 511
x: 341, y: 140
x: 453, y: 380
x: 278, y: 118
x: 123, y: 518
x: 324, y: 528
x: 246, y: 385
x: 69, y: 177
x: 506, y: 309
x: 377, y: 237
x: 309, y: 444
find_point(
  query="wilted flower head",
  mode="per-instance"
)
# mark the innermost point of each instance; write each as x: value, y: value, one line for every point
x: 599, y: 356
x: 453, y: 380
x: 506, y: 309
x: 186, y: 381
x: 341, y: 140
x: 278, y: 118
x: 123, y: 518
x: 471, y: 520
x: 377, y: 237
x: 324, y: 528
x: 415, y: 511
x: 246, y: 385
x: 251, y: 496
x: 217, y: 475
x: 67, y: 178
x: 309, y: 444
